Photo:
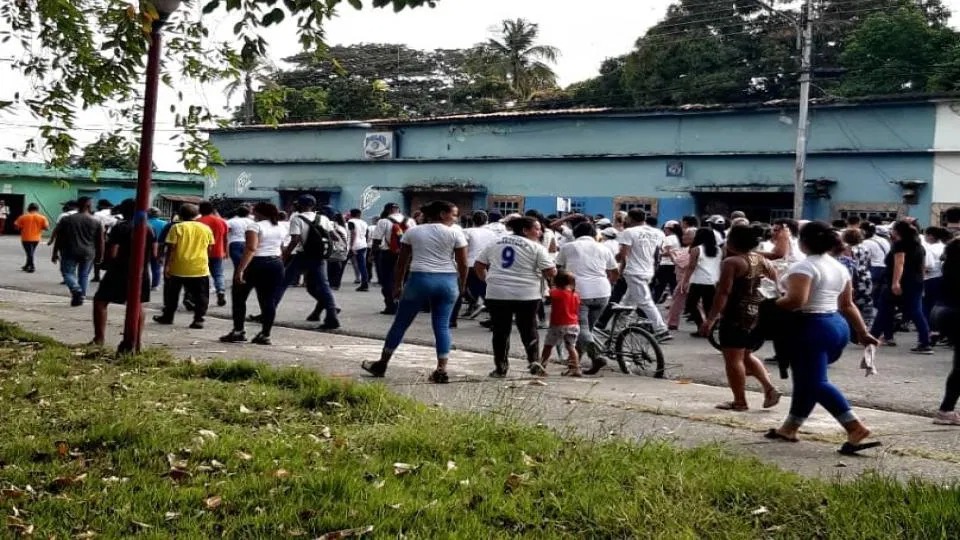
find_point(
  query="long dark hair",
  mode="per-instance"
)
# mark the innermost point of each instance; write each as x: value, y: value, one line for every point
x: 706, y: 239
x: 434, y: 209
x: 268, y: 211
x: 521, y: 224
x: 819, y: 238
x: 907, y: 232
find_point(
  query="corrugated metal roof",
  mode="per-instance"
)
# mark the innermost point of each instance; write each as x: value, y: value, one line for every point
x: 521, y: 114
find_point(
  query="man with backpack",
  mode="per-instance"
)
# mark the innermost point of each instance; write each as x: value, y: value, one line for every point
x: 386, y: 243
x: 311, y: 244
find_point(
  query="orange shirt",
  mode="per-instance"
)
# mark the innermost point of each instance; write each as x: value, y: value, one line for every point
x: 564, y: 307
x: 31, y: 226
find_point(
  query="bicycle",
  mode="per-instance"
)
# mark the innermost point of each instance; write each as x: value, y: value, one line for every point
x: 631, y: 342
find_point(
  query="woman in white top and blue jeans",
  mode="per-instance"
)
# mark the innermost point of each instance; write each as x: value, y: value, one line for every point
x: 261, y: 269
x: 703, y: 273
x: 437, y: 256
x: 818, y: 289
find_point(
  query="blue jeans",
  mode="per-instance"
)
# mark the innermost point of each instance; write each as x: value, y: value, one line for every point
x: 360, y: 260
x: 235, y: 249
x: 819, y: 341
x: 156, y: 271
x: 932, y: 290
x: 318, y: 286
x: 590, y: 311
x: 911, y: 302
x: 441, y: 291
x: 76, y: 273
x: 216, y: 272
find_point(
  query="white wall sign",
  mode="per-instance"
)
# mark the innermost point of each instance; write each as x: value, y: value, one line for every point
x: 379, y: 145
x: 243, y: 181
x: 368, y: 197
x: 8, y: 188
x: 563, y: 204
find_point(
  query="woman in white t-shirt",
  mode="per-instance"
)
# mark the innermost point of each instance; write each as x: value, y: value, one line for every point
x: 237, y: 234
x: 703, y: 272
x: 436, y: 254
x: 665, y: 279
x: 595, y: 269
x: 260, y: 269
x: 513, y: 268
x: 818, y: 289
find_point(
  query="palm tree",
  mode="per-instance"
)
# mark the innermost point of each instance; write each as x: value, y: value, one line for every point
x: 256, y: 69
x: 515, y: 56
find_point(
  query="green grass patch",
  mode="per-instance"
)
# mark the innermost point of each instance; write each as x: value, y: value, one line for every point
x: 156, y: 448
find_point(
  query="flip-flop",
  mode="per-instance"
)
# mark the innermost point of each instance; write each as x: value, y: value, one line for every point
x: 731, y: 406
x: 775, y: 435
x: 850, y: 449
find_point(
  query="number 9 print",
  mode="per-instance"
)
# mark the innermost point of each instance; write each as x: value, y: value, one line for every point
x: 508, y: 257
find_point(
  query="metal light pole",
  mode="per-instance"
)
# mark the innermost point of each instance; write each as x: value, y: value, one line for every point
x: 138, y: 245
x: 799, y: 170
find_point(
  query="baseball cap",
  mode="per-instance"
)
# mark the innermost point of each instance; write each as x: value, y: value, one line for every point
x: 603, y: 222
x: 609, y: 232
x: 306, y: 200
x: 716, y: 219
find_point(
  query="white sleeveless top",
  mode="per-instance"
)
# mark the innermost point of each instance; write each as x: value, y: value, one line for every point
x: 707, y: 271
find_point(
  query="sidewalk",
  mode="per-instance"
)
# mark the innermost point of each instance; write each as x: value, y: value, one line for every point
x: 632, y: 407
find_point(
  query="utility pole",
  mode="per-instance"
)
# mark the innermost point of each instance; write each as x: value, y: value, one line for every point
x: 806, y: 46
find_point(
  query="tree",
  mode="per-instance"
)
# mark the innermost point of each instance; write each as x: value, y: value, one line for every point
x: 514, y: 56
x: 259, y: 70
x: 899, y: 52
x: 108, y: 152
x: 90, y: 53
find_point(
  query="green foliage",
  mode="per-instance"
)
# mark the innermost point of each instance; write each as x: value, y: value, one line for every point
x: 151, y: 447
x: 91, y: 53
x: 899, y: 52
x: 111, y: 151
x: 720, y: 51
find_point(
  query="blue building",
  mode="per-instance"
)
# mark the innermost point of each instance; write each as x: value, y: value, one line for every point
x: 884, y: 157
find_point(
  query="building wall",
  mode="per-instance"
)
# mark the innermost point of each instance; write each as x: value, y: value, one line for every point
x: 598, y: 161
x: 946, y: 168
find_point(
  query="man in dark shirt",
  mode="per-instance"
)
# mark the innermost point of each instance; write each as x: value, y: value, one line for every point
x: 113, y: 286
x: 78, y: 245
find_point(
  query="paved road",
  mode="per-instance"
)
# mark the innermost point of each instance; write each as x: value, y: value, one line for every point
x: 906, y: 382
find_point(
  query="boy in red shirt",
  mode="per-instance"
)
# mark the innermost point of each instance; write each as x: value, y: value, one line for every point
x: 564, y: 323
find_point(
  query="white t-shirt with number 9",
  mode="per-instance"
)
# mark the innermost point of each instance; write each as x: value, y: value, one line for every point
x: 516, y: 267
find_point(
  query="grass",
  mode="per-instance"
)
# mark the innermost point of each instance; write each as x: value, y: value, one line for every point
x: 154, y: 448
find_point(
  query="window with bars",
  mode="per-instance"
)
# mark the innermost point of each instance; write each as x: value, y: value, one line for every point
x: 781, y: 213
x: 884, y: 214
x: 625, y: 204
x: 506, y: 204
x: 577, y: 206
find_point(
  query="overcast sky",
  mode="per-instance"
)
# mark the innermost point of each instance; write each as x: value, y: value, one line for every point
x: 586, y: 32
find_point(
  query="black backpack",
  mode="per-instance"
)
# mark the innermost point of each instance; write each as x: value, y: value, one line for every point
x: 318, y: 244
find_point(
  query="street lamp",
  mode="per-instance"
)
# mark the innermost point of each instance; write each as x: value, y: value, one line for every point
x: 133, y: 322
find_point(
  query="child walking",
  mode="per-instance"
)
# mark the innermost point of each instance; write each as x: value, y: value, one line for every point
x: 564, y: 324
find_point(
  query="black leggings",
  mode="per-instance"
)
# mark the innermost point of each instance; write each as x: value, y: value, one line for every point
x: 697, y: 294
x: 502, y: 314
x: 264, y: 275
x: 665, y: 280
x: 947, y: 320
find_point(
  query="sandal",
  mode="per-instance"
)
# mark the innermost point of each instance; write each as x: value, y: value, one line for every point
x: 537, y: 370
x: 377, y: 369
x: 775, y: 435
x: 572, y: 372
x: 771, y: 399
x: 439, y: 377
x: 851, y: 449
x: 731, y: 406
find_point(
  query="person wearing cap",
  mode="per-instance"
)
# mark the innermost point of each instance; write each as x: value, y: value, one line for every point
x: 719, y: 226
x: 157, y: 225
x: 386, y: 241
x: 313, y: 269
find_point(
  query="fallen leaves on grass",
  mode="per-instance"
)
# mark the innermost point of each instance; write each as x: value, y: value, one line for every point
x: 402, y: 469
x: 63, y: 449
x: 12, y: 493
x: 760, y: 511
x: 244, y: 410
x: 281, y: 474
x: 514, y: 481
x: 207, y: 434
x: 346, y: 533
x: 212, y: 503
x: 19, y: 526
x: 243, y: 456
x: 63, y: 482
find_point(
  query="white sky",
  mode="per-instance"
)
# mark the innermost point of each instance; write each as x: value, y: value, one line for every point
x: 585, y: 32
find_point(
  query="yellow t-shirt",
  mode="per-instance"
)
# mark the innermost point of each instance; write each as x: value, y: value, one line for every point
x: 193, y: 240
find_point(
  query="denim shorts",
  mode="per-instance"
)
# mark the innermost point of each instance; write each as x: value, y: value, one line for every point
x: 566, y: 334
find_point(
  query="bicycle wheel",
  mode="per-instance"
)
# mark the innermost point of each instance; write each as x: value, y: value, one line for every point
x: 638, y: 351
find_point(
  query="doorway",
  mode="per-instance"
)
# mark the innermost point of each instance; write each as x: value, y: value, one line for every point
x: 288, y: 197
x: 414, y: 200
x: 758, y: 205
x: 14, y: 204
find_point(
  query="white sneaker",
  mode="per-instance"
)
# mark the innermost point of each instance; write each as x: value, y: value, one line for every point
x: 944, y: 418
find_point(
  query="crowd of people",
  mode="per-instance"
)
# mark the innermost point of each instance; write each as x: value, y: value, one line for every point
x: 810, y: 287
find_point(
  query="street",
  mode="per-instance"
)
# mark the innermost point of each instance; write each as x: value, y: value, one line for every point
x: 905, y: 383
